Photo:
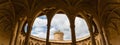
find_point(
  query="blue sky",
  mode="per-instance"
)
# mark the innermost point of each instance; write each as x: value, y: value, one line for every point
x: 59, y: 22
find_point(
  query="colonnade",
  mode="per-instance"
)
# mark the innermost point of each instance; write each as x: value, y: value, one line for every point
x: 71, y: 17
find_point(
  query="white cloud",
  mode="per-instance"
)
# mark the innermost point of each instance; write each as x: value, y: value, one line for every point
x: 39, y: 27
x: 52, y: 30
x: 59, y: 22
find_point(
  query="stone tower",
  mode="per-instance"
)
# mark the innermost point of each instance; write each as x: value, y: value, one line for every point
x: 58, y: 36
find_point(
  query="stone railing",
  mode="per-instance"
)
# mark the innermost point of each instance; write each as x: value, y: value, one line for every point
x: 41, y: 41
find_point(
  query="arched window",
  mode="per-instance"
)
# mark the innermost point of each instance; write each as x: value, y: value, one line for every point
x: 81, y: 28
x: 39, y: 28
x: 25, y: 28
x: 60, y: 23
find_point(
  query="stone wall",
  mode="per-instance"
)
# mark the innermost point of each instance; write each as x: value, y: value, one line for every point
x: 40, y: 41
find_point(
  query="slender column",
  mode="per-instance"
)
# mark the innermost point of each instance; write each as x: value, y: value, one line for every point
x: 102, y: 36
x: 29, y: 28
x: 17, y: 34
x: 72, y: 26
x: 14, y: 30
x: 105, y: 36
x: 15, y: 25
x: 49, y: 15
x: 21, y: 22
x: 48, y: 32
x: 100, y: 24
x: 92, y: 37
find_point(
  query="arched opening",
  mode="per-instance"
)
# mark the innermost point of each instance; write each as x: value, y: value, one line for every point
x: 25, y: 27
x: 39, y: 28
x: 81, y: 29
x: 60, y: 23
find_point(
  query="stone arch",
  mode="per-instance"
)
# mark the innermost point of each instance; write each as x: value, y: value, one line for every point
x: 83, y: 15
x: 31, y: 21
x: 57, y: 11
x: 51, y: 15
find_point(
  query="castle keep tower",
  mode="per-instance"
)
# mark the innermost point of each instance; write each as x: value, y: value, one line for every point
x: 58, y: 36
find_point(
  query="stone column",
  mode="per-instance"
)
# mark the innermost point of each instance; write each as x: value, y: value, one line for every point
x: 29, y: 29
x: 15, y: 25
x: 102, y: 36
x: 21, y: 23
x: 49, y: 18
x: 105, y: 36
x: 49, y: 13
x: 13, y: 35
x: 17, y: 35
x: 72, y: 26
x: 100, y: 23
x: 48, y: 32
x: 92, y: 37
